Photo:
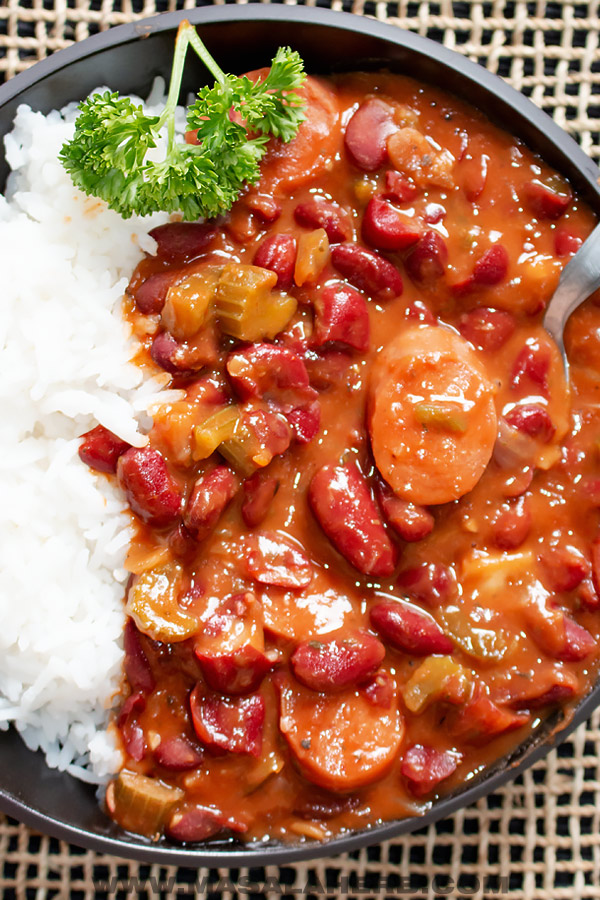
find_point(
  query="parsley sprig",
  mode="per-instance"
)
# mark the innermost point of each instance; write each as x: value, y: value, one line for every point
x: 234, y: 119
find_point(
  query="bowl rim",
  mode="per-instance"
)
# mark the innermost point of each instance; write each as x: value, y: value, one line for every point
x: 504, y: 770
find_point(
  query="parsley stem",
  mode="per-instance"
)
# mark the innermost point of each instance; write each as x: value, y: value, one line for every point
x: 168, y: 115
x: 205, y: 56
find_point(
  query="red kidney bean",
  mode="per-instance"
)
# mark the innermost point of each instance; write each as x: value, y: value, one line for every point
x: 430, y: 583
x: 409, y: 629
x: 151, y: 491
x: 182, y: 544
x: 558, y: 634
x: 272, y: 559
x: 236, y: 672
x: 368, y: 271
x: 434, y: 213
x: 228, y: 724
x: 100, y: 449
x: 305, y: 421
x: 131, y: 731
x: 259, y: 491
x: 487, y: 329
x: 264, y: 207
x: 278, y: 253
x: 482, y: 719
x: 550, y: 684
x: 579, y: 643
x: 210, y: 496
x: 177, y: 754
x: 511, y: 525
x: 596, y: 564
x: 137, y: 668
x: 424, y: 768
x: 532, y: 365
x: 566, y: 243
x: 337, y: 664
x: 341, y: 315
x: 517, y: 483
x: 265, y: 370
x: 418, y: 311
x: 181, y: 241
x: 384, y: 228
x: 492, y: 267
x: 317, y: 212
x: 342, y: 504
x: 399, y: 188
x: 411, y: 522
x: 135, y: 703
x: 151, y: 295
x: 533, y: 420
x: 380, y: 690
x: 367, y: 133
x: 328, y: 367
x: 322, y: 805
x: 565, y: 567
x: 196, y: 824
x: 474, y: 172
x: 546, y: 203
x: 174, y: 357
x: 270, y: 429
x: 427, y: 260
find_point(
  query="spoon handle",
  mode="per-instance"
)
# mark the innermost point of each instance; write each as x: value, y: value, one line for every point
x: 579, y: 278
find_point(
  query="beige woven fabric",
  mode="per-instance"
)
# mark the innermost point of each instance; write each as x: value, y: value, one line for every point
x: 541, y: 836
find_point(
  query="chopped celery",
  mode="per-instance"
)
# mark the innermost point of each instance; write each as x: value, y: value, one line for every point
x: 219, y: 427
x: 247, y: 306
x: 312, y: 256
x: 441, y: 416
x: 141, y: 804
x: 475, y: 637
x: 437, y: 678
x: 188, y: 303
x: 152, y: 604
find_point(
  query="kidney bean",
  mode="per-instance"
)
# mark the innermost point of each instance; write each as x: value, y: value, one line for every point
x: 239, y: 672
x: 434, y: 213
x: 151, y: 491
x: 587, y: 596
x: 409, y: 629
x: 342, y: 504
x: 272, y: 559
x: 259, y: 491
x: 411, y: 522
x: 481, y: 719
x: 321, y: 805
x: 399, y: 188
x: 211, y: 494
x: 328, y: 367
x: 487, y: 329
x: 266, y: 370
x: 596, y: 564
x: 546, y: 203
x: 305, y: 421
x: 550, y: 684
x: 427, y: 260
x: 384, y: 228
x: 492, y: 267
x: 177, y: 754
x: 182, y: 544
x: 338, y: 663
x: 565, y: 567
x: 137, y: 668
x: 532, y: 365
x: 131, y: 731
x: 424, y: 768
x: 271, y: 430
x: 517, y: 482
x: 264, y: 207
x: 151, y: 295
x: 323, y: 732
x: 418, y: 311
x: 579, y: 643
x: 317, y: 212
x: 531, y: 419
x: 368, y: 271
x: 196, y: 824
x: 228, y: 724
x: 179, y: 358
x: 181, y: 241
x: 379, y: 690
x: 558, y: 634
x: 341, y: 315
x: 100, y: 449
x: 135, y: 703
x: 511, y: 525
x: 278, y: 254
x: 474, y: 172
x: 430, y: 583
x: 566, y: 243
x: 367, y: 133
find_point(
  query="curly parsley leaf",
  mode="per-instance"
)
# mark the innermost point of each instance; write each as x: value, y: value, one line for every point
x: 234, y: 119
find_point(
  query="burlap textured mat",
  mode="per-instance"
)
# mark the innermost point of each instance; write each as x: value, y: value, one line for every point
x: 537, y: 839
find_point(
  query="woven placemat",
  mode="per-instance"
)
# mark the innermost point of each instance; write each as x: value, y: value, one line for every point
x: 537, y: 839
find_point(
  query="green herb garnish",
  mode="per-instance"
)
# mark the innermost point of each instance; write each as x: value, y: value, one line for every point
x: 108, y: 154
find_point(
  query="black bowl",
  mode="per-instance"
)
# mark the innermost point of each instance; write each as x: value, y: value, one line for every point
x: 127, y: 58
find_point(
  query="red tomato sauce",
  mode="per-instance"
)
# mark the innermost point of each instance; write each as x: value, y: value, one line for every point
x: 366, y: 561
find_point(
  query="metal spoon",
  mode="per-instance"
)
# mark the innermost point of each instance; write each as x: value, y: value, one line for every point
x: 579, y: 278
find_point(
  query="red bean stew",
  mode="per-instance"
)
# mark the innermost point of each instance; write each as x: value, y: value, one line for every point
x: 365, y: 560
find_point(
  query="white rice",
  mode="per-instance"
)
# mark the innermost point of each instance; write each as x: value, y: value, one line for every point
x: 65, y: 262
